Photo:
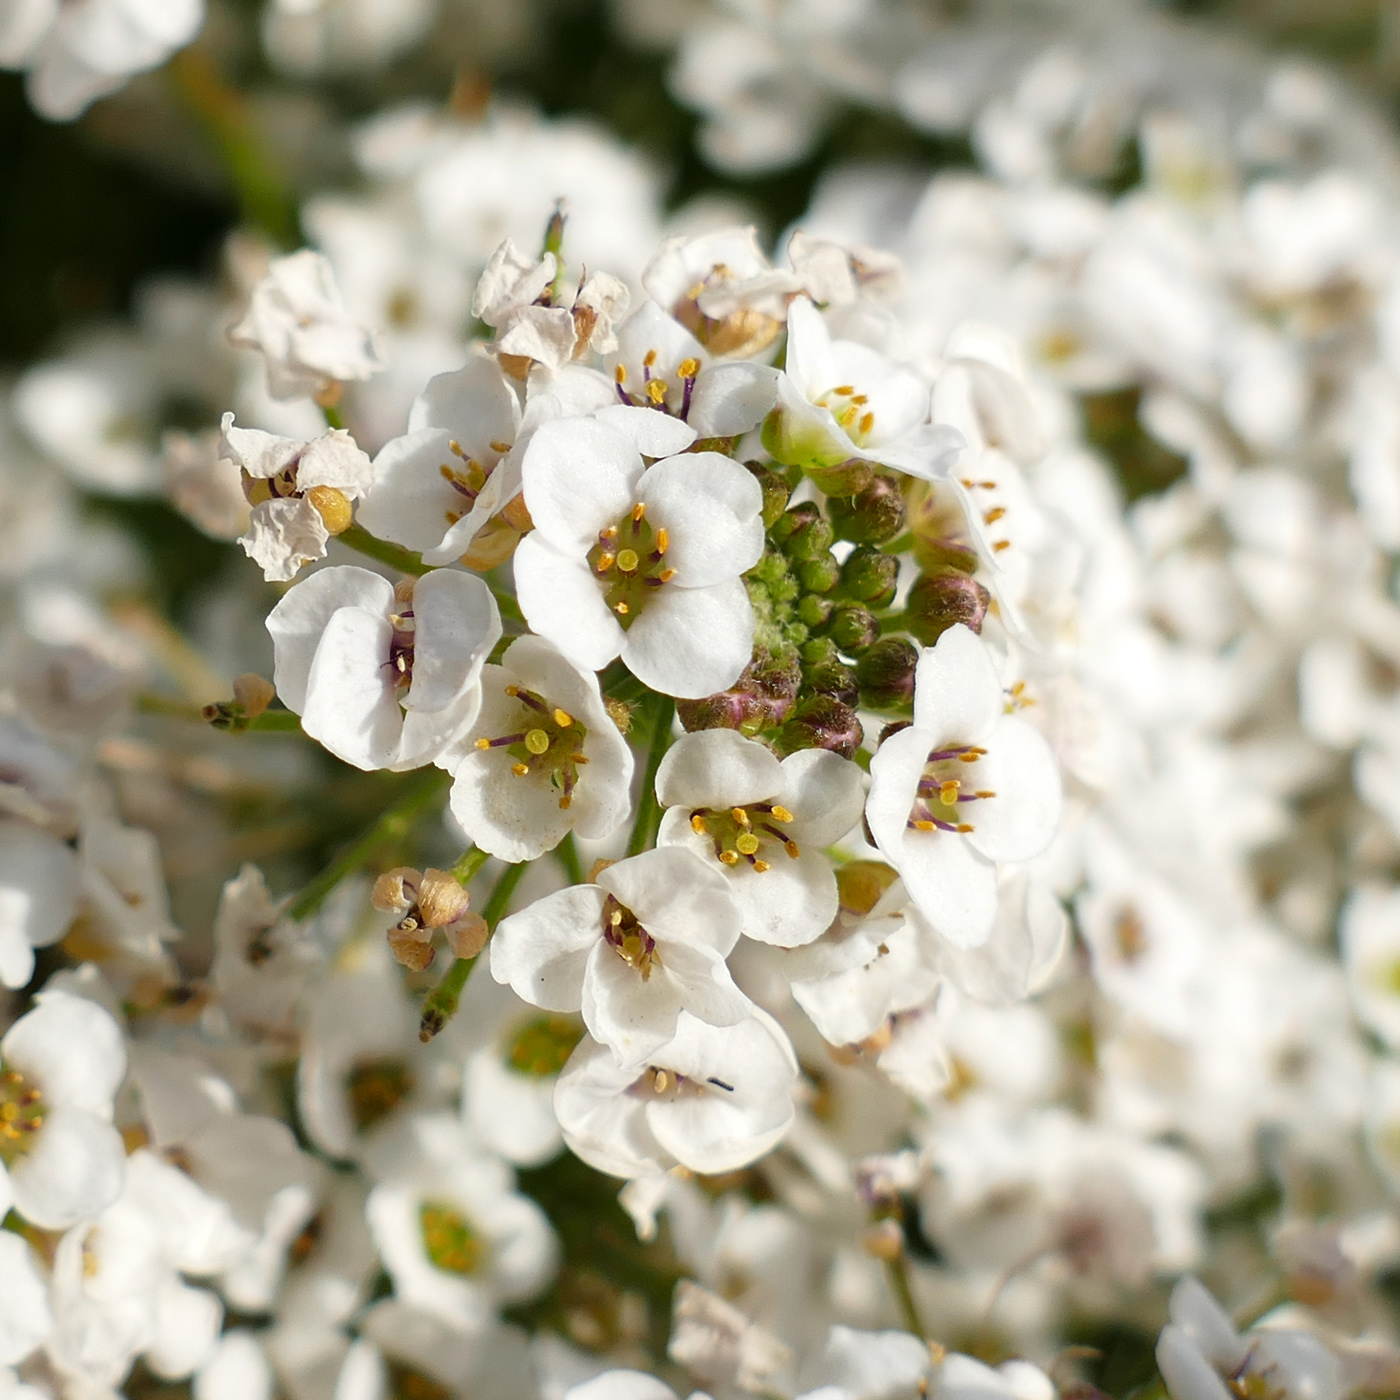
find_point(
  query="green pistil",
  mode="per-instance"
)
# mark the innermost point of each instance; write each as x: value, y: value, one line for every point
x: 541, y: 1047
x: 629, y: 560
x: 22, y: 1110
x: 545, y: 739
x: 375, y: 1088
x: 449, y: 1240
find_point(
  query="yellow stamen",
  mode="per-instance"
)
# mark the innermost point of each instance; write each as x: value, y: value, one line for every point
x: 483, y: 743
x: 781, y: 814
x: 924, y: 826
x: 638, y: 511
x: 992, y: 516
x: 666, y: 575
x: 791, y: 848
x: 697, y: 824
x: 649, y: 359
x: 663, y: 541
x: 563, y: 718
x: 622, y: 609
x: 739, y: 815
x: 620, y: 374
x: 761, y: 866
x: 867, y: 421
x: 605, y: 562
x: 844, y: 389
x: 688, y: 369
x: 520, y: 769
x: 656, y: 391
x: 729, y: 857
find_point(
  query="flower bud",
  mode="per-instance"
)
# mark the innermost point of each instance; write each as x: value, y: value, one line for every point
x: 874, y: 515
x: 886, y: 674
x: 775, y: 491
x: 847, y: 478
x: 760, y: 699
x: 833, y: 678
x: 820, y: 651
x: 813, y: 610
x: 853, y: 627
x: 819, y: 575
x: 869, y: 576
x: 803, y: 532
x: 820, y: 722
x: 940, y: 553
x: 941, y: 598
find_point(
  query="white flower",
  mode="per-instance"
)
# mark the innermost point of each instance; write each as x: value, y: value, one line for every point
x: 384, y: 677
x: 764, y: 823
x: 61, y: 1160
x: 78, y: 52
x: 453, y: 1233
x: 639, y: 562
x: 309, y: 341
x: 541, y: 759
x: 965, y: 787
x: 300, y: 493
x: 839, y: 400
x: 25, y: 1319
x: 631, y: 952
x: 206, y: 488
x: 714, y: 1099
x: 437, y: 485
x: 39, y: 884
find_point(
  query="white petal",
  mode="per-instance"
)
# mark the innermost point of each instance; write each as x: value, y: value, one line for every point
x: 631, y: 1016
x: 542, y: 951
x: 733, y: 398
x: 895, y: 770
x: 72, y: 1172
x: 561, y: 601
x: 790, y: 904
x: 650, y: 431
x: 824, y: 792
x: 602, y: 1123
x: 957, y: 693
x: 1021, y: 820
x: 456, y: 624
x: 284, y: 535
x: 579, y: 476
x: 473, y: 405
x: 954, y: 887
x: 25, y: 1319
x: 73, y: 1049
x: 691, y: 642
x: 712, y: 508
x: 350, y: 706
x: 676, y: 897
x: 809, y: 362
x: 717, y: 768
x: 410, y: 499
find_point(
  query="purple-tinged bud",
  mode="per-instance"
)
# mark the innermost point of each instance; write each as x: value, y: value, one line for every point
x: 872, y: 516
x: 760, y: 699
x: 940, y: 599
x: 886, y: 674
x: 869, y: 576
x: 803, y: 532
x: 820, y: 722
x: 853, y: 628
x: 835, y: 679
x: 819, y: 575
x: 847, y: 478
x: 946, y: 553
x: 775, y: 491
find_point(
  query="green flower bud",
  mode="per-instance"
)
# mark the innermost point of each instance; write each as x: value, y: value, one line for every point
x: 869, y: 576
x: 941, y: 598
x: 820, y: 722
x: 936, y: 554
x: 775, y: 491
x: 872, y: 516
x: 803, y: 532
x: 813, y: 610
x: 885, y: 674
x: 819, y: 651
x: 835, y: 679
x: 847, y: 478
x: 853, y: 627
x: 760, y: 699
x: 819, y: 575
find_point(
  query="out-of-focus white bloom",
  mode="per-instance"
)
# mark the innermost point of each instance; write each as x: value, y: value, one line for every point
x: 38, y: 896
x: 639, y: 562
x: 61, y: 1160
x: 25, y: 1318
x: 944, y: 835
x: 305, y: 37
x: 77, y: 53
x: 714, y: 1099
x: 632, y: 952
x: 297, y: 320
x: 542, y: 757
x: 765, y: 823
x: 384, y: 677
x: 205, y: 487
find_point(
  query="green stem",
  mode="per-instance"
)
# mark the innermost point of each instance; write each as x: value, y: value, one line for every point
x: 222, y: 111
x: 897, y: 1271
x: 467, y: 865
x: 392, y: 825
x: 663, y: 709
x: 440, y: 1005
x: 394, y: 555
x: 566, y: 853
x: 333, y: 416
x: 269, y: 722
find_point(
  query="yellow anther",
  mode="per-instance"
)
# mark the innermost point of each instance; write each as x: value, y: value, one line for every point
x: 537, y: 741
x: 620, y: 374
x: 663, y: 540
x: 483, y: 743
x: 999, y: 545
x: 638, y: 511
x: 627, y: 560
x: 963, y: 826
x: 649, y: 359
x: 924, y: 826
x: 566, y: 801
x: 609, y: 534
x: 455, y: 448
x: 948, y: 792
x: 697, y: 824
x: 452, y: 516
x: 761, y: 866
x: 781, y: 814
x: 605, y: 562
x: 739, y: 815
x: 500, y: 446
x: 9, y: 1112
x: 520, y: 769
x: 984, y: 793
x: 729, y: 857
x: 747, y: 844
x: 656, y: 391
x: 666, y: 575
x: 791, y: 848
x: 861, y: 399
x: 563, y: 718
x: 846, y: 390
x: 688, y: 369
x: 992, y: 516
x: 661, y: 1081
x: 621, y: 609
x: 867, y: 421
x: 513, y: 691
x: 446, y: 473
x: 847, y: 416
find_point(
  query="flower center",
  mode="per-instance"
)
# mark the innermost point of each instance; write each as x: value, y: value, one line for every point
x: 850, y: 410
x: 667, y: 1085
x: 941, y: 803
x: 628, y: 939
x: 541, y: 1047
x: 745, y: 833
x: 466, y: 480
x: 331, y: 505
x: 449, y: 1240
x: 547, y: 739
x: 22, y: 1111
x: 629, y: 563
x: 654, y: 392
x: 375, y: 1088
